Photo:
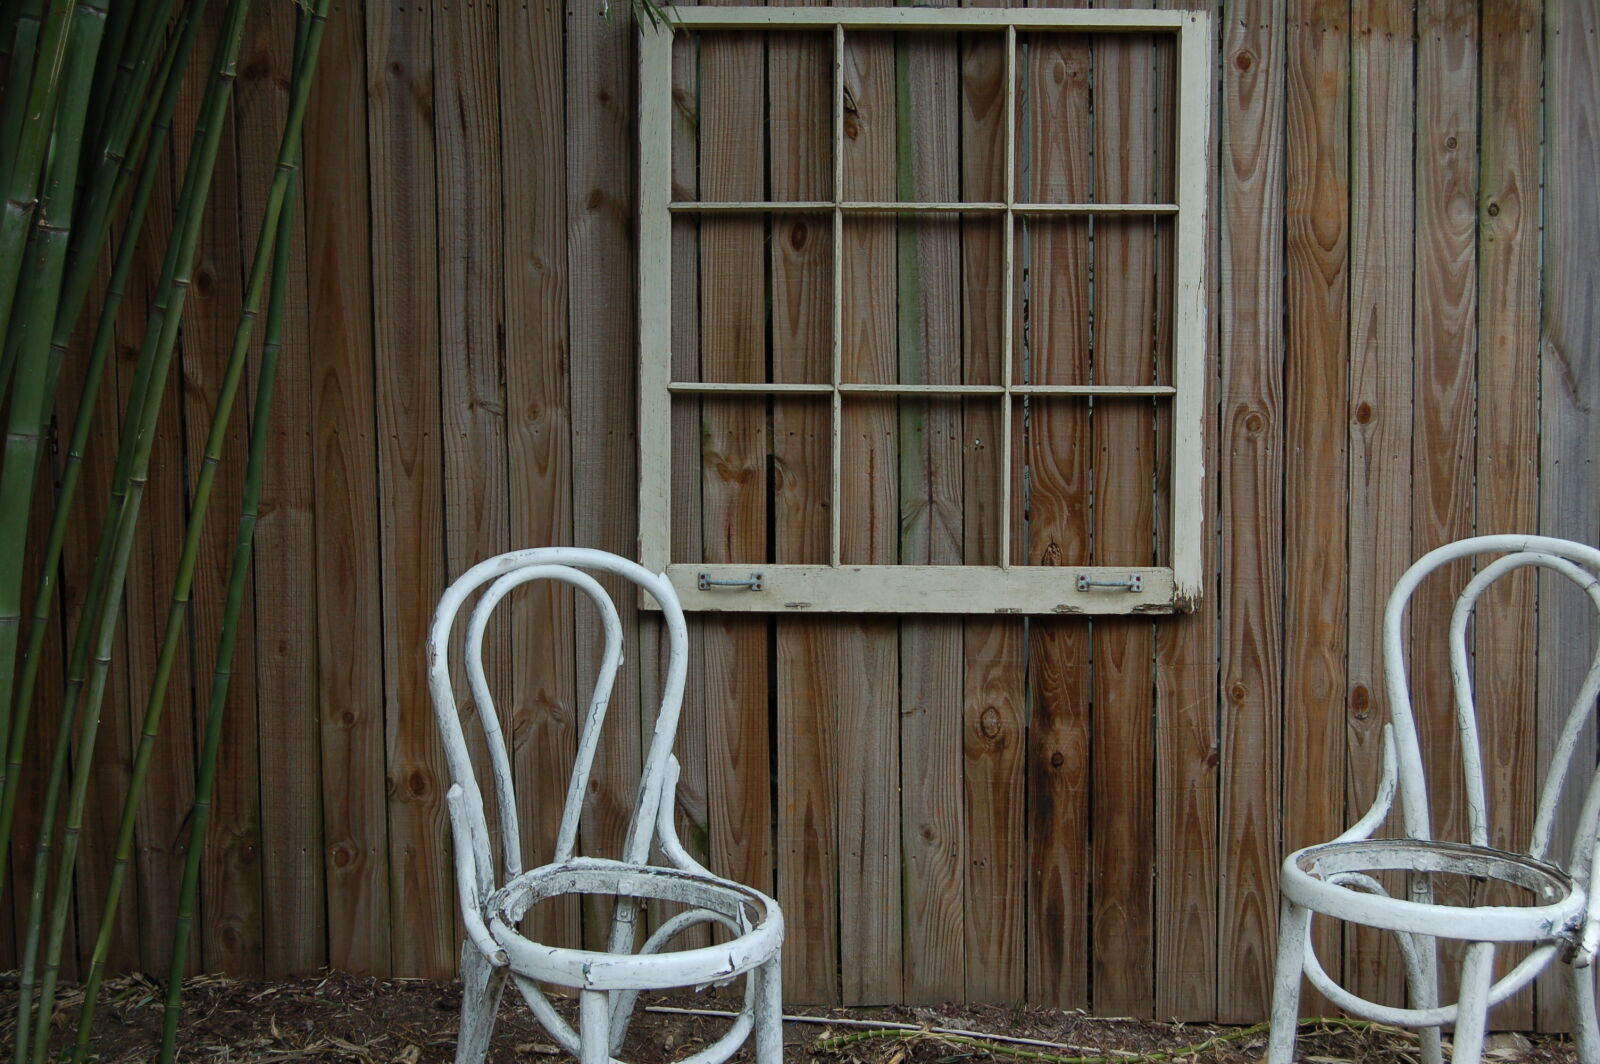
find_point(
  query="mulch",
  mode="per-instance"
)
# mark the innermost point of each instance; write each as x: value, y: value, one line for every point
x: 345, y: 1019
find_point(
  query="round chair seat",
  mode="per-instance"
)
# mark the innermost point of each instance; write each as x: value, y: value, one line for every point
x: 757, y: 917
x: 1311, y: 877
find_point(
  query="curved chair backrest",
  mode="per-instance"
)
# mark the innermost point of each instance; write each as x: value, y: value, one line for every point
x: 1579, y: 564
x: 502, y: 574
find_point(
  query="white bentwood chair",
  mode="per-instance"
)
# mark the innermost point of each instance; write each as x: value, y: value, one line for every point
x: 607, y: 981
x: 1554, y: 912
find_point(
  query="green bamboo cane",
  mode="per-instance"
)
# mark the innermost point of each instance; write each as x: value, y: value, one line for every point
x: 103, y: 179
x: 13, y: 111
x: 120, y: 37
x: 22, y: 188
x: 10, y: 773
x: 41, y: 290
x: 29, y: 19
x: 177, y: 278
x: 16, y: 489
x: 248, y: 510
x: 260, y: 269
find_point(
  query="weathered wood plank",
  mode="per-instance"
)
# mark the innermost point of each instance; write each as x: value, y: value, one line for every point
x: 1506, y: 430
x: 1126, y: 316
x: 866, y: 680
x: 1186, y: 770
x: 1382, y: 121
x: 294, y: 920
x: 734, y: 437
x: 800, y: 128
x: 994, y: 700
x: 230, y: 926
x: 401, y: 122
x: 1251, y: 479
x: 1569, y: 374
x: 600, y: 194
x: 349, y: 647
x: 1445, y: 292
x: 927, y: 266
x: 1317, y: 301
x: 538, y: 430
x: 472, y: 336
x: 1053, y: 348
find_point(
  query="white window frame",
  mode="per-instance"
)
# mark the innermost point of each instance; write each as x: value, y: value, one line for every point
x: 1003, y: 588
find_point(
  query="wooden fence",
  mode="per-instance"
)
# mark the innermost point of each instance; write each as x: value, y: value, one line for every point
x: 1404, y: 341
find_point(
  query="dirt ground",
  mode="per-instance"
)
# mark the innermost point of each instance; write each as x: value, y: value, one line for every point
x: 340, y: 1018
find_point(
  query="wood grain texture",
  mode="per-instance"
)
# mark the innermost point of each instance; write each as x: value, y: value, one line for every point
x: 349, y: 647
x: 1251, y: 477
x: 928, y: 279
x: 230, y: 925
x: 1316, y: 384
x: 994, y: 709
x: 1382, y: 122
x: 1569, y: 375
x: 1442, y: 451
x: 294, y: 919
x: 1126, y: 316
x: 538, y: 431
x: 1186, y: 739
x: 1053, y: 348
x: 604, y: 448
x: 1506, y: 431
x: 734, y: 663
x: 865, y: 681
x: 402, y: 119
x: 800, y: 261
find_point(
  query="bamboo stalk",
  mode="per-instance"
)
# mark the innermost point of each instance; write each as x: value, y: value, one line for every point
x: 83, y: 425
x: 248, y: 511
x: 22, y: 189
x: 162, y: 339
x: 260, y: 268
x: 29, y: 15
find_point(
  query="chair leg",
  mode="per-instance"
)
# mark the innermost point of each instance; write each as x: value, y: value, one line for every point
x: 1472, y: 1009
x: 1585, y: 1029
x: 481, y: 986
x: 594, y: 1027
x: 769, y: 1012
x: 1293, y: 923
x: 1422, y: 981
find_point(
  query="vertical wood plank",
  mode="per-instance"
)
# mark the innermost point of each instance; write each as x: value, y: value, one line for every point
x: 994, y: 698
x: 927, y: 268
x: 1186, y: 739
x: 1052, y: 335
x: 604, y: 458
x: 538, y: 428
x: 1506, y: 430
x: 734, y: 435
x: 866, y: 651
x: 799, y: 127
x: 350, y: 631
x: 1382, y: 121
x: 401, y: 119
x: 230, y: 930
x: 162, y: 839
x: 1125, y: 314
x: 1317, y: 300
x: 472, y: 341
x: 1251, y: 479
x: 293, y: 919
x: 1445, y: 336
x: 1569, y: 374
